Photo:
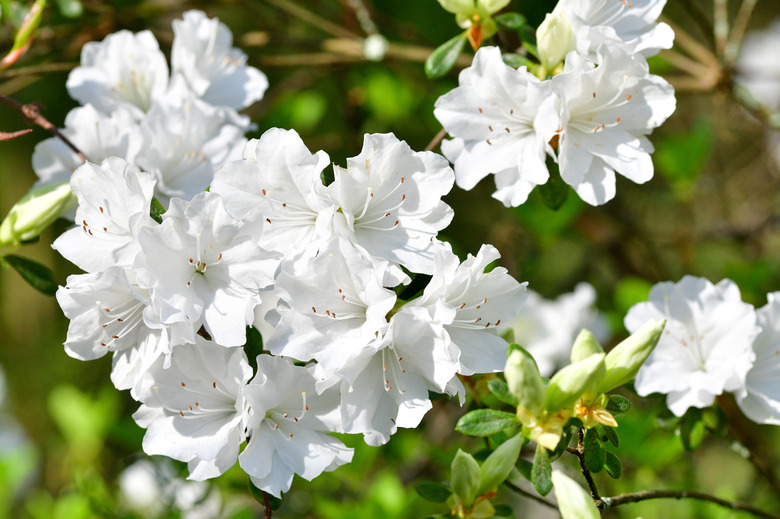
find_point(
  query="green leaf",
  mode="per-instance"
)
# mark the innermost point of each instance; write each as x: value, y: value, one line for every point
x: 555, y: 191
x: 618, y: 404
x: 503, y: 511
x: 29, y: 25
x: 525, y: 468
x: 431, y: 491
x: 692, y: 429
x: 514, y: 21
x: 40, y: 277
x: 611, y: 434
x: 541, y: 474
x: 566, y: 435
x: 497, y: 466
x: 517, y: 61
x: 443, y: 58
x: 156, y: 210
x: 261, y: 497
x: 484, y: 422
x: 465, y: 478
x: 613, y: 466
x: 595, y: 454
x: 499, y: 388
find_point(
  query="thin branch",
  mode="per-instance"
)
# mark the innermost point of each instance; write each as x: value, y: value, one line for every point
x: 530, y: 495
x: 580, y: 453
x: 13, y: 135
x: 699, y: 17
x: 622, y: 499
x: 436, y: 140
x: 720, y: 25
x: 295, y: 9
x: 38, y: 69
x: 691, y: 45
x: 267, y: 512
x: 738, y: 29
x: 32, y: 113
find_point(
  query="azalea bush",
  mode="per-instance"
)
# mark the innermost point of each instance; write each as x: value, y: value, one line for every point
x: 299, y: 294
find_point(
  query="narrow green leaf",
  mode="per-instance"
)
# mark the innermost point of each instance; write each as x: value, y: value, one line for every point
x: 514, y: 21
x: 503, y: 511
x: 40, y: 277
x: 555, y: 191
x: 499, y: 388
x: 431, y: 491
x: 613, y: 466
x: 595, y: 454
x: 692, y: 429
x: 497, y: 466
x: 618, y: 404
x: 465, y: 478
x: 541, y: 474
x: 525, y: 468
x: 611, y: 434
x: 29, y: 25
x: 484, y: 422
x: 517, y: 61
x: 156, y: 210
x: 443, y: 58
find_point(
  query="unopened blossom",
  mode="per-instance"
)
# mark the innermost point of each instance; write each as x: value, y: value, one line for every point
x: 331, y: 308
x: 706, y: 347
x: 632, y: 25
x: 114, y: 199
x: 194, y: 410
x: 201, y: 270
x: 185, y: 141
x: 390, y: 201
x: 96, y: 134
x: 760, y: 400
x: 501, y: 120
x: 547, y: 328
x: 472, y: 304
x: 124, y: 70
x: 277, y: 188
x: 607, y: 111
x: 203, y: 54
x: 288, y: 424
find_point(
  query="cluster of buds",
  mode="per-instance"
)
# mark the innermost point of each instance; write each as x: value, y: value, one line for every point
x: 578, y: 390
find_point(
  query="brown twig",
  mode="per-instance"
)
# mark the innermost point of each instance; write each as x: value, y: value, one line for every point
x: 32, y: 113
x: 267, y: 512
x: 294, y: 9
x: 529, y: 495
x: 738, y: 29
x: 13, y: 135
x: 436, y: 140
x: 644, y: 495
x: 38, y: 69
x: 580, y: 453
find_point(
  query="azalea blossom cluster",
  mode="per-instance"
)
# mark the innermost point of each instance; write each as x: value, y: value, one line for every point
x: 315, y: 267
x: 713, y: 343
x: 179, y: 125
x: 591, y: 116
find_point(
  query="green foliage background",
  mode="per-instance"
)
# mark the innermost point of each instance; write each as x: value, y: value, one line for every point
x: 712, y: 209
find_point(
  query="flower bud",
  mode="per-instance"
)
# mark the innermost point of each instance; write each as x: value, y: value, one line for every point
x: 462, y: 7
x: 554, y: 38
x: 570, y: 383
x: 488, y: 7
x: 585, y: 345
x: 626, y: 358
x: 524, y: 381
x: 34, y: 212
x: 573, y: 501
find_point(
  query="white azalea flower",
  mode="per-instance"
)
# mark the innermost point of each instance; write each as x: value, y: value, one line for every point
x: 186, y: 141
x: 758, y: 65
x: 277, y: 187
x: 706, y: 348
x: 632, y: 25
x: 386, y: 387
x: 761, y: 399
x: 287, y: 425
x: 606, y: 113
x: 199, y: 269
x: 194, y: 410
x: 96, y: 134
x: 334, y: 307
x: 124, y: 70
x: 114, y: 199
x: 204, y: 55
x: 547, y: 329
x: 472, y: 304
x: 501, y: 119
x: 390, y: 201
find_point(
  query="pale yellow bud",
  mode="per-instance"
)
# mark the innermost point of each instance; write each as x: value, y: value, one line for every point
x: 626, y: 358
x: 554, y: 38
x: 34, y: 212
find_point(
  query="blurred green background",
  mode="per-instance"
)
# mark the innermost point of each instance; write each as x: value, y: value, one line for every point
x: 712, y: 209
